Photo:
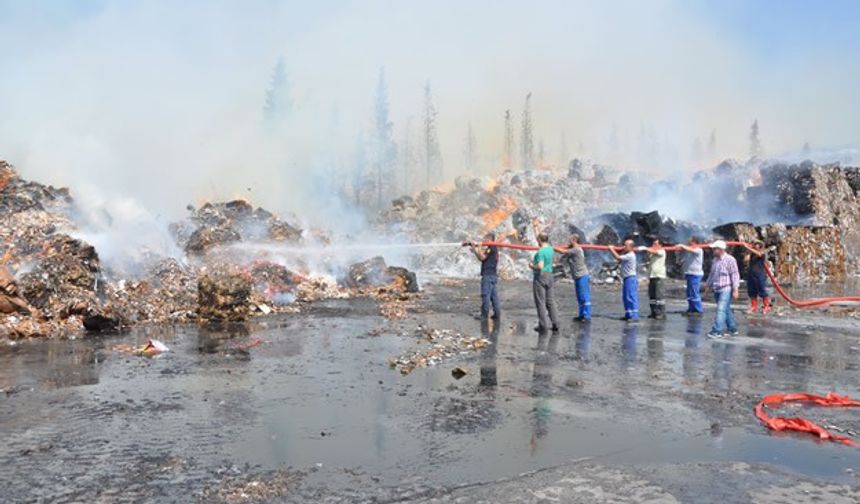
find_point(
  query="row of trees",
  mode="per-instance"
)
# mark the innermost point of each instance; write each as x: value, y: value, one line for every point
x: 390, y: 171
x: 381, y: 167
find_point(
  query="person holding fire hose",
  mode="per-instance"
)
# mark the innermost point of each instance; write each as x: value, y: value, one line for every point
x: 575, y: 258
x: 656, y: 276
x: 694, y: 256
x: 489, y: 257
x: 542, y: 285
x: 757, y: 278
x: 630, y: 286
x: 723, y: 281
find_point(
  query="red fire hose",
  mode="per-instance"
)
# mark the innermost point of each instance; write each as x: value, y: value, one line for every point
x: 802, y: 424
x: 807, y: 303
x: 774, y: 423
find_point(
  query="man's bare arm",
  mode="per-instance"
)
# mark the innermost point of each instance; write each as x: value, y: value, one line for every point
x: 479, y: 252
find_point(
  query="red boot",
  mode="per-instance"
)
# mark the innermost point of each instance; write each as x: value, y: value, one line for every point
x: 753, y: 305
x: 766, y: 307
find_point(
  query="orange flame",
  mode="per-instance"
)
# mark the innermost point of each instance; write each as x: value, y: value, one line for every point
x: 491, y: 185
x: 495, y: 216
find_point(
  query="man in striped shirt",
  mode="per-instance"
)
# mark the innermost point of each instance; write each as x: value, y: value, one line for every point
x: 723, y: 281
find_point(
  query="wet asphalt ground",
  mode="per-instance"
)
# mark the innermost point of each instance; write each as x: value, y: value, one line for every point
x: 606, y: 412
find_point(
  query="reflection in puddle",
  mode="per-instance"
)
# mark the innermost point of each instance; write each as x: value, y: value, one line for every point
x: 317, y: 393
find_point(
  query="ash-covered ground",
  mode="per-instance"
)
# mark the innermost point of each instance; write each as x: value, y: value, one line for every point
x: 306, y: 407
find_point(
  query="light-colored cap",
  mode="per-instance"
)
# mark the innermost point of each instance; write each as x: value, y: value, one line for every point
x: 720, y: 244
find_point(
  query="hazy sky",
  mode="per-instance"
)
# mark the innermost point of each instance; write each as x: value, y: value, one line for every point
x: 161, y: 100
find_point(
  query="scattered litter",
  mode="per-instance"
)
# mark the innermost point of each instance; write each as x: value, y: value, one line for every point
x: 459, y: 372
x: 444, y: 344
x: 245, y: 489
x: 152, y: 348
x: 253, y: 342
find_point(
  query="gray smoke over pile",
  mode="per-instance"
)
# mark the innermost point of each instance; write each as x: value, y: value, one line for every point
x: 142, y: 107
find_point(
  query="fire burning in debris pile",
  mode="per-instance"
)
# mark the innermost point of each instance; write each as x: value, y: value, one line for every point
x: 58, y: 286
x: 499, y: 213
x: 816, y: 209
x: 234, y: 264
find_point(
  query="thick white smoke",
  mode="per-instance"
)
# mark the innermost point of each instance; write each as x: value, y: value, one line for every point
x: 150, y: 105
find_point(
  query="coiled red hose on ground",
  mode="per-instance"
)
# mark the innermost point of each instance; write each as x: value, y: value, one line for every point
x: 805, y: 303
x: 801, y: 424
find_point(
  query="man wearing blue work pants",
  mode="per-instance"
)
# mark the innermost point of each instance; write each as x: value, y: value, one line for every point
x: 724, y: 281
x: 694, y: 256
x: 574, y: 256
x: 630, y: 287
x: 489, y: 257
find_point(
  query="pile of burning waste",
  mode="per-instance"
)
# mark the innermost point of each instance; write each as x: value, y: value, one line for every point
x: 504, y: 205
x: 52, y: 283
x: 808, y: 215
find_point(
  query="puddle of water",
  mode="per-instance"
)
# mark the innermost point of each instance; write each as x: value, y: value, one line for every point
x: 318, y: 391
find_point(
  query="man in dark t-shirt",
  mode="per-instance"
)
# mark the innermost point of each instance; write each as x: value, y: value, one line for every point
x: 489, y: 257
x: 757, y: 278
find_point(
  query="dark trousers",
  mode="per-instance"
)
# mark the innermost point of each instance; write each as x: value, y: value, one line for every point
x: 490, y: 296
x: 545, y: 301
x: 655, y: 298
x: 756, y: 285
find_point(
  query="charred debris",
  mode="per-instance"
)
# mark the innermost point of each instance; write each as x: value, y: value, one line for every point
x: 53, y: 283
x: 807, y: 214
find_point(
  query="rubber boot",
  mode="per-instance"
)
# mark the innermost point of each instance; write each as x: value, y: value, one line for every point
x: 753, y: 305
x: 766, y: 307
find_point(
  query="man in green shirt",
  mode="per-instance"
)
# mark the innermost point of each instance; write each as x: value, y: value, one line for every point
x: 542, y: 285
x: 656, y: 276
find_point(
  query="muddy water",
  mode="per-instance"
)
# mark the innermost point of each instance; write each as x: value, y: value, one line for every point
x: 84, y: 422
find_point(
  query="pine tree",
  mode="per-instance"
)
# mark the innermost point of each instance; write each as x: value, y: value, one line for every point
x: 432, y: 153
x: 527, y: 136
x: 696, y: 150
x: 563, y: 153
x: 358, y: 166
x: 755, y: 141
x: 470, y: 150
x: 384, y: 150
x: 712, y: 145
x: 806, y: 148
x: 278, y: 105
x: 508, y: 160
x: 333, y: 154
x: 541, y: 154
x: 406, y: 155
x: 615, y: 144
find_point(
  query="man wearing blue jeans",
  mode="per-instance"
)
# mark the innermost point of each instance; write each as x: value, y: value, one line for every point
x: 630, y: 286
x: 693, y: 271
x: 489, y: 257
x: 575, y: 258
x: 724, y: 281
